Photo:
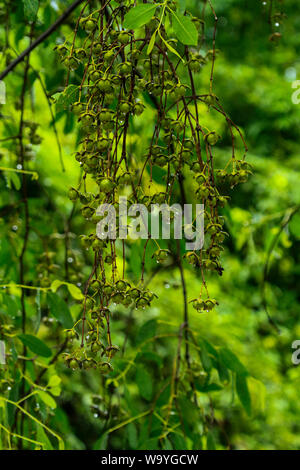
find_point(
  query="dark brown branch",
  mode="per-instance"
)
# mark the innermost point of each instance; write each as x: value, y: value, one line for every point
x: 40, y: 39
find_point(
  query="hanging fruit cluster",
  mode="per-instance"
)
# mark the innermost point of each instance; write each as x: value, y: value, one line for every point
x: 128, y: 51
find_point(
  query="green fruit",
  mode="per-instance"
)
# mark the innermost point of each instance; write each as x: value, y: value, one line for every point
x: 104, y: 85
x: 97, y: 48
x: 138, y: 109
x: 95, y: 347
x: 106, y: 115
x: 125, y: 178
x: 192, y: 258
x: 106, y: 185
x: 124, y: 107
x: 194, y: 65
x: 103, y: 144
x: 90, y: 25
x: 195, y: 167
x: 108, y: 289
x: 87, y: 212
x: 142, y: 303
x: 98, y: 244
x: 212, y: 138
x: 161, y: 160
x: 121, y: 285
x: 73, y: 364
x: 73, y: 194
x: 161, y: 255
x: 125, y: 68
x: 198, y: 305
x: 87, y: 119
x: 124, y: 37
x: 117, y: 298
x: 94, y: 75
x: 108, y: 56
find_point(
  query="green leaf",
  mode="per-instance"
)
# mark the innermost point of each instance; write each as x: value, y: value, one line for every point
x: 54, y: 381
x: 56, y: 391
x: 47, y: 399
x: 213, y: 387
x: 232, y: 362
x: 30, y: 9
x: 205, y: 359
x: 132, y: 435
x: 147, y: 331
x: 74, y: 290
x: 15, y: 180
x: 35, y: 345
x: 210, y: 441
x: 185, y: 29
x: 144, y: 383
x: 60, y: 310
x: 42, y: 437
x: 171, y: 49
x: 243, y: 393
x: 139, y: 15
x: 101, y: 443
x: 294, y: 226
x: 64, y: 99
x: 222, y: 371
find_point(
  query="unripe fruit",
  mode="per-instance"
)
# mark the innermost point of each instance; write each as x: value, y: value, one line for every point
x: 87, y: 119
x: 124, y: 37
x: 98, y: 244
x: 124, y: 107
x: 125, y: 68
x: 121, y: 285
x: 73, y: 194
x: 161, y: 160
x: 124, y: 179
x: 73, y: 364
x: 142, y: 303
x: 97, y: 48
x: 87, y: 212
x: 104, y: 85
x: 192, y: 258
x: 103, y: 144
x: 161, y: 255
x: 211, y: 138
x: 94, y: 75
x: 195, y: 167
x: 194, y: 65
x: 106, y: 115
x: 138, y: 109
x: 77, y: 108
x: 90, y: 25
x: 108, y: 289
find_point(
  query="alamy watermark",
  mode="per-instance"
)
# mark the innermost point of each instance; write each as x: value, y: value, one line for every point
x: 137, y: 221
x: 2, y: 93
x: 2, y: 353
